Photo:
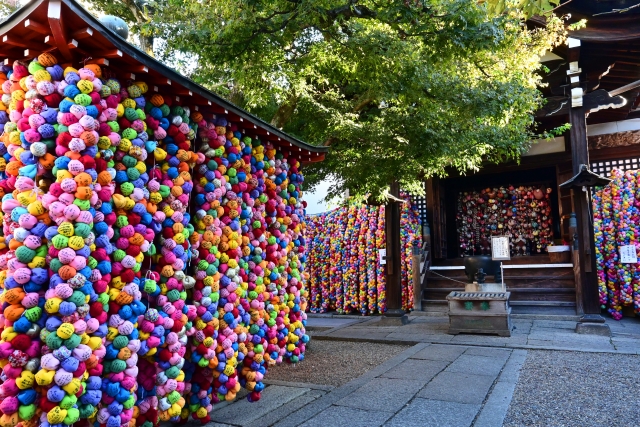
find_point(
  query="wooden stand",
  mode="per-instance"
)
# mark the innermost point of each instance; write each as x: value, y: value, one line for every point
x: 479, y: 312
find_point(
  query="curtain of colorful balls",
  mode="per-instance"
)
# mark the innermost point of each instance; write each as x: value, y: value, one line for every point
x: 344, y: 264
x: 522, y: 212
x: 617, y: 223
x: 151, y: 261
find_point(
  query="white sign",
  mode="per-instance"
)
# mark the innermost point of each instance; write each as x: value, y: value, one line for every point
x: 500, y: 248
x: 628, y: 254
x: 382, y: 253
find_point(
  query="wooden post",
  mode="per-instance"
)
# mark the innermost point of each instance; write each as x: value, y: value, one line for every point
x: 586, y: 244
x: 394, y: 277
x: 585, y: 269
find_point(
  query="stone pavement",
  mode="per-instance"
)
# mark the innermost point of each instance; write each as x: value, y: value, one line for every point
x: 442, y: 380
x: 529, y: 332
x: 426, y: 385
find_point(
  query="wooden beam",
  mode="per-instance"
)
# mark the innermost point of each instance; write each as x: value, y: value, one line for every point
x: 625, y: 88
x: 30, y: 53
x: 113, y: 53
x: 83, y: 33
x: 50, y: 40
x: 163, y: 81
x: 73, y: 44
x: 27, y: 44
x: 139, y: 69
x: 37, y: 27
x: 129, y: 76
x: 98, y: 61
x: 54, y: 13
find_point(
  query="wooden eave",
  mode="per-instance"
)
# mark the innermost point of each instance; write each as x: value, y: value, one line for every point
x: 76, y: 37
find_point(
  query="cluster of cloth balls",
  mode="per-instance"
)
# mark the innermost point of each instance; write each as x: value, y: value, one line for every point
x: 346, y: 272
x: 151, y: 261
x: 616, y: 223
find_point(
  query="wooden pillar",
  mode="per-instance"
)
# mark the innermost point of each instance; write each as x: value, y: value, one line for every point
x: 394, y: 278
x: 586, y: 245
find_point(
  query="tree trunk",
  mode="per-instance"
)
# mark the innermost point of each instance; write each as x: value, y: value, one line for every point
x: 285, y: 111
x: 146, y: 44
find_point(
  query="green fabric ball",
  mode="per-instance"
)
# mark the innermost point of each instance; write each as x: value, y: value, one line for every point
x: 115, y: 127
x: 55, y: 265
x: 173, y: 295
x: 33, y: 314
x: 72, y: 342
x: 118, y: 255
x: 34, y: 66
x: 120, y: 341
x: 84, y: 205
x: 172, y: 373
x: 133, y: 174
x: 53, y: 341
x: 130, y: 133
x: 83, y: 230
x: 68, y: 401
x: 164, y: 191
x: 127, y: 188
x: 73, y: 415
x: 27, y: 412
x: 82, y: 99
x: 173, y: 397
x: 118, y: 366
x: 60, y: 241
x: 77, y: 297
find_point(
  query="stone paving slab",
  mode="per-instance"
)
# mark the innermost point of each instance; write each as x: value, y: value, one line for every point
x: 340, y: 416
x: 458, y: 387
x: 328, y: 322
x: 283, y: 411
x: 447, y: 353
x: 244, y: 412
x: 417, y: 370
x: 382, y: 394
x: 477, y: 365
x: 427, y: 413
x: 488, y: 352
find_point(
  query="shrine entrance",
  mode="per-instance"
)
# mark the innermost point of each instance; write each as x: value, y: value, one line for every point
x: 522, y: 203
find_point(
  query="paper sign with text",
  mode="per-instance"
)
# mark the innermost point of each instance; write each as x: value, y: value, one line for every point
x: 500, y: 248
x: 628, y: 254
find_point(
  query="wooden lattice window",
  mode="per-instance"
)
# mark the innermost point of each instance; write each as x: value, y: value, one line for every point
x: 604, y: 167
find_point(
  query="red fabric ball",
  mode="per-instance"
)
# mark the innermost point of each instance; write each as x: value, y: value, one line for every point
x: 21, y: 342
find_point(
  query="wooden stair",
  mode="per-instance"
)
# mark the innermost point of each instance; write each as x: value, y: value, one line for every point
x: 535, y: 286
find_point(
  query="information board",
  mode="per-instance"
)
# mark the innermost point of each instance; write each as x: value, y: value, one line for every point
x: 500, y: 248
x: 628, y: 254
x: 382, y: 253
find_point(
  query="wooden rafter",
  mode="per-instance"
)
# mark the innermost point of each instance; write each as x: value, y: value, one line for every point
x: 54, y: 13
x: 37, y: 27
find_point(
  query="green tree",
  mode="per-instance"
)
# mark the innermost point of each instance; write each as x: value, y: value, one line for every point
x: 400, y: 89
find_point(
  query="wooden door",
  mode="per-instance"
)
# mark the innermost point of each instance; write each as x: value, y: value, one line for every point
x: 565, y: 204
x: 437, y: 214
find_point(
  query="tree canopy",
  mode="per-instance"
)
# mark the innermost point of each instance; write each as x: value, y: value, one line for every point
x: 400, y: 89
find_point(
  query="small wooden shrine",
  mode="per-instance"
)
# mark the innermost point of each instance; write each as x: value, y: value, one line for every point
x: 595, y: 75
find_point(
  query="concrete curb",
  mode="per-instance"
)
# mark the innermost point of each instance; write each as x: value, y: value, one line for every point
x: 299, y: 385
x: 396, y: 341
x: 499, y: 397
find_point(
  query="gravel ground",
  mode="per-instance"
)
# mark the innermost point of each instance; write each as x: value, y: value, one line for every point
x: 567, y: 389
x: 335, y: 362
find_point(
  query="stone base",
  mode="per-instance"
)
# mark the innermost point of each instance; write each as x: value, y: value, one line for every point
x: 495, y: 325
x: 601, y: 329
x: 392, y: 320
